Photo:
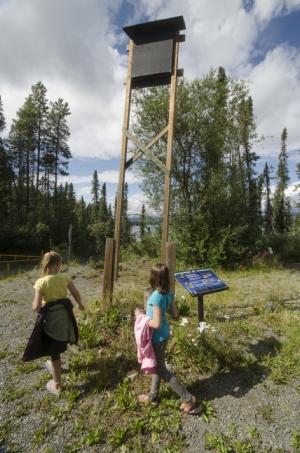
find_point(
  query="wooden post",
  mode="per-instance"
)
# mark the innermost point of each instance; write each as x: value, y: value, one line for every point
x: 172, y: 101
x: 120, y: 194
x: 108, y: 277
x: 171, y: 263
x: 200, y: 308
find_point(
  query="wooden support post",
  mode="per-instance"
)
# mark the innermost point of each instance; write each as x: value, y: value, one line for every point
x: 108, y: 277
x: 172, y: 101
x: 200, y: 308
x: 171, y: 263
x: 120, y: 194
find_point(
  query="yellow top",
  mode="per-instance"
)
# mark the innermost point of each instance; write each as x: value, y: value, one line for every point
x: 53, y: 287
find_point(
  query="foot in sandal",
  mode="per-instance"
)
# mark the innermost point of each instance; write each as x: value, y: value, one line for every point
x: 53, y: 387
x: 191, y: 408
x: 145, y: 399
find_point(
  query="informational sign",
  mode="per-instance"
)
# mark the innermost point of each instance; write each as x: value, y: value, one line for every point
x: 200, y: 282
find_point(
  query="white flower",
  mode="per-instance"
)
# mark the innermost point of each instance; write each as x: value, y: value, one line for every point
x: 182, y: 297
x: 184, y: 322
x: 202, y: 326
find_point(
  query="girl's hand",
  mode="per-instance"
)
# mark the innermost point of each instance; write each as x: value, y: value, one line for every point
x: 138, y: 312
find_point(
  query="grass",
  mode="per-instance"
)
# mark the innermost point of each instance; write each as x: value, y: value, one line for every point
x: 101, y: 403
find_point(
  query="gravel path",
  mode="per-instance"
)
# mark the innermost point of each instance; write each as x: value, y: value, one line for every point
x: 242, y: 403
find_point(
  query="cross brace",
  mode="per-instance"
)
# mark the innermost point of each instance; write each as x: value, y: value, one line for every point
x: 145, y: 149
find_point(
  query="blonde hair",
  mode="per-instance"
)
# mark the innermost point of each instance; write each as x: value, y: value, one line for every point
x: 50, y: 259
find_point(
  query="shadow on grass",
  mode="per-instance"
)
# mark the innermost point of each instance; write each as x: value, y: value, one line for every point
x: 238, y: 381
x: 105, y: 374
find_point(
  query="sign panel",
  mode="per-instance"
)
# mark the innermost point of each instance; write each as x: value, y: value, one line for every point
x: 200, y: 282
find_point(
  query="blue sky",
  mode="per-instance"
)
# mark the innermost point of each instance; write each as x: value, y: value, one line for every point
x: 77, y: 48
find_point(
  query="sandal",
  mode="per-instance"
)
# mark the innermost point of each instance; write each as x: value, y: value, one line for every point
x: 191, y: 408
x: 52, y: 389
x: 145, y: 400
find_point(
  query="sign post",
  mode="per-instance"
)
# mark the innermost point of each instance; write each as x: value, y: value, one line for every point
x: 199, y: 283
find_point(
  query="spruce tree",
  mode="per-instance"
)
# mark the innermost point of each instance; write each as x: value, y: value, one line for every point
x: 282, y: 208
x: 143, y: 223
x: 268, y: 215
x: 40, y: 103
x: 95, y: 192
x: 2, y: 119
x: 58, y: 135
x: 125, y: 230
x: 103, y: 210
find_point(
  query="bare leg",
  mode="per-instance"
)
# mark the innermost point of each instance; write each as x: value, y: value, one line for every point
x: 56, y: 372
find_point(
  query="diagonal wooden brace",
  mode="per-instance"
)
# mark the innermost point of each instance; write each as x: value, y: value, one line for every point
x: 145, y: 150
x: 139, y: 153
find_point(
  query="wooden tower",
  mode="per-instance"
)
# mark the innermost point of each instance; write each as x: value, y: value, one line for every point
x: 152, y: 60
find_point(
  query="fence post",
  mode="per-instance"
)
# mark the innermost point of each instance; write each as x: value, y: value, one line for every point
x: 170, y: 254
x: 108, y: 276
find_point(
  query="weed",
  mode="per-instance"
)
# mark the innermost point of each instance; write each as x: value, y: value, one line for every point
x: 266, y: 412
x: 72, y: 395
x: 4, y: 354
x: 295, y: 440
x: 229, y: 443
x: 27, y: 368
x: 11, y: 393
x: 119, y: 437
x: 5, y: 429
x: 8, y: 302
x: 208, y: 411
x: 94, y: 437
x: 125, y: 397
x: 183, y: 306
x: 41, y: 433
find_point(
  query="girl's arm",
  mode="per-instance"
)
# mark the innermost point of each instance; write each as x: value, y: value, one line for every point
x: 37, y: 301
x: 75, y: 293
x: 155, y: 322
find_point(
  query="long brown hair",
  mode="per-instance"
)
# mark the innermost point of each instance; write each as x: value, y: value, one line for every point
x: 50, y: 259
x: 160, y: 278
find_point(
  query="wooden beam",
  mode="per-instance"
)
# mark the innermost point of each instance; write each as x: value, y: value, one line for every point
x: 171, y: 263
x: 108, y: 276
x: 167, y: 185
x: 145, y: 150
x: 139, y: 153
x: 120, y: 194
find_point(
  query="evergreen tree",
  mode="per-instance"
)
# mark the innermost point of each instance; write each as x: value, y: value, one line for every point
x: 125, y: 227
x: 95, y: 191
x: 268, y: 217
x: 103, y: 210
x: 282, y: 208
x: 40, y: 103
x: 58, y: 135
x: 2, y: 119
x: 143, y: 223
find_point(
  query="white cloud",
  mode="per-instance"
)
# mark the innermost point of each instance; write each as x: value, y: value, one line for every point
x: 275, y: 88
x: 108, y: 176
x: 264, y: 10
x: 135, y: 203
x: 68, y: 46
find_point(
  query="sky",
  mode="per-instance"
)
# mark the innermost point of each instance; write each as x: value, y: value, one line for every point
x: 77, y: 48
